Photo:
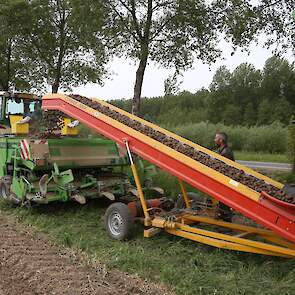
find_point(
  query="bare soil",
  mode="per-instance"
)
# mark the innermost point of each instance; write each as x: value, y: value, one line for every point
x: 31, y: 264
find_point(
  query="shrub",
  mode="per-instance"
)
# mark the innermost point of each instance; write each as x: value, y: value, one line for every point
x: 291, y: 143
x: 268, y: 139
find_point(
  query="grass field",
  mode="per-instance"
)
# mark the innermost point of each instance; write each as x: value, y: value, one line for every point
x: 261, y: 157
x: 185, y: 266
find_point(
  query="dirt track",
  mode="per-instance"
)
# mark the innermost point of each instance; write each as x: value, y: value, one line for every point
x: 31, y: 264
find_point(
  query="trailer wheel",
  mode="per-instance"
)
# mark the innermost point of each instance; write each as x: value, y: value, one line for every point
x: 118, y: 221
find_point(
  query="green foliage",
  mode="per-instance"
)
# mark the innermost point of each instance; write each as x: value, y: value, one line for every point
x: 261, y: 157
x: 172, y: 85
x: 282, y: 110
x: 250, y: 116
x: 51, y: 42
x: 139, y: 28
x: 264, y: 111
x: 13, y: 62
x: 283, y: 177
x: 231, y: 115
x: 242, y: 97
x: 278, y: 80
x: 270, y: 139
x: 291, y: 143
x: 275, y: 20
x: 245, y: 85
x: 63, y: 43
x: 175, y: 33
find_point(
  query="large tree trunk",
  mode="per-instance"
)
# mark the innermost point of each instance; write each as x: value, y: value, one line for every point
x: 6, y: 82
x: 55, y: 86
x: 58, y: 72
x: 144, y: 46
x: 56, y: 83
x: 138, y: 85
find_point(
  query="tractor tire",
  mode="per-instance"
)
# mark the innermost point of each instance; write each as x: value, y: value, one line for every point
x: 118, y: 221
x: 6, y: 193
x: 4, y: 190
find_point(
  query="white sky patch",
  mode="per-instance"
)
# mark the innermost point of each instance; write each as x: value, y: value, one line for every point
x: 121, y: 83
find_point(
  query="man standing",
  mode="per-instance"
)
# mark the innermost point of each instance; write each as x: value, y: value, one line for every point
x: 222, y: 148
x: 223, y: 211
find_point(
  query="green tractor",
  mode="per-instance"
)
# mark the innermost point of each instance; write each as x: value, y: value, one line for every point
x: 42, y: 170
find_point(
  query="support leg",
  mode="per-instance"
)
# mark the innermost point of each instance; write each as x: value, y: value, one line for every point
x: 184, y: 194
x: 138, y: 186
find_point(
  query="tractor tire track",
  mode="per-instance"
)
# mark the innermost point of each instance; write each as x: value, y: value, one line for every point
x: 31, y: 264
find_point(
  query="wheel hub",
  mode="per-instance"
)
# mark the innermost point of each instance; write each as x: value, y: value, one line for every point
x: 115, y: 223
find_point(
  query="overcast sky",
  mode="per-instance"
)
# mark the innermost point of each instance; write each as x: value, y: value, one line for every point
x: 121, y: 83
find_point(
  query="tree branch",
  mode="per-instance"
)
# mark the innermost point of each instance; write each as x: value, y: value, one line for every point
x: 148, y: 21
x: 2, y: 84
x: 267, y: 5
x: 41, y: 54
x: 123, y: 21
x: 62, y: 47
x: 162, y: 27
x: 135, y: 21
x: 8, y: 65
x: 163, y: 4
x: 126, y: 6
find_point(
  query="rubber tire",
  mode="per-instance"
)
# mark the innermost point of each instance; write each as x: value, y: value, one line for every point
x: 4, y: 190
x: 6, y: 194
x: 122, y: 212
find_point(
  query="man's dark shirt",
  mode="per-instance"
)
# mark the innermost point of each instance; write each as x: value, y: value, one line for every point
x: 226, y: 151
x: 224, y: 211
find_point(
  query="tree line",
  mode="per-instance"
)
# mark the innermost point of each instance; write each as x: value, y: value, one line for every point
x: 246, y: 96
x: 67, y: 43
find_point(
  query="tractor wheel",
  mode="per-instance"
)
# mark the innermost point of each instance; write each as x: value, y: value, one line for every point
x: 4, y: 190
x: 118, y: 221
x: 6, y: 193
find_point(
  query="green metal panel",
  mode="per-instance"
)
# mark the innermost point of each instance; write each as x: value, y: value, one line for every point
x: 3, y: 156
x: 83, y: 152
x: 55, y: 151
x: 18, y: 187
x: 68, y: 152
x: 6, y: 152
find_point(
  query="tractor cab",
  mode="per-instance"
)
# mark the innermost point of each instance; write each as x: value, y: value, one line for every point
x: 17, y: 110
